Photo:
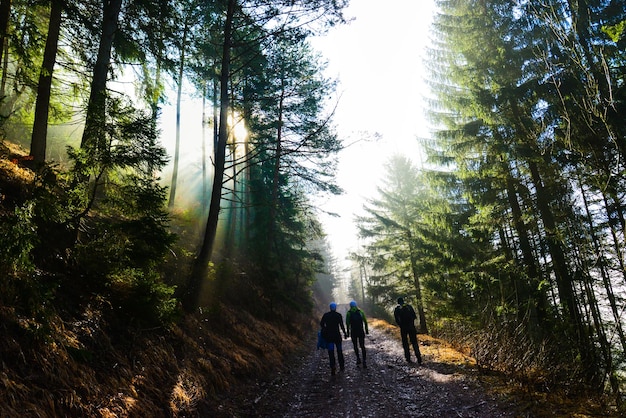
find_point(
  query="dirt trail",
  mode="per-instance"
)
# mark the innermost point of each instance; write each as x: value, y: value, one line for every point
x: 388, y: 387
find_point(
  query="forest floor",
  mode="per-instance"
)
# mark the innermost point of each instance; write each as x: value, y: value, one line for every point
x: 446, y: 384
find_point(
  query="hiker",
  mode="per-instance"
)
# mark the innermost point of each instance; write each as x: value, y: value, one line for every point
x: 405, y: 317
x: 356, y: 324
x: 331, y: 321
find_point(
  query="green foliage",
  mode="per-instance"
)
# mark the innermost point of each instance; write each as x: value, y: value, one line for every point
x: 18, y: 237
x: 124, y: 226
x: 142, y: 295
x: 21, y: 284
x: 529, y: 139
x: 615, y: 32
x: 118, y: 217
x: 397, y: 245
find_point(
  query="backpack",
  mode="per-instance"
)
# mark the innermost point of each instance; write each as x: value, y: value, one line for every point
x: 356, y: 320
x: 321, y: 342
x: 407, y: 315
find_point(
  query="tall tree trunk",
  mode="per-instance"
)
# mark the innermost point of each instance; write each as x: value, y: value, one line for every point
x: 216, y: 115
x: 231, y: 224
x: 416, y: 283
x: 560, y: 267
x: 40, y: 125
x: 5, y: 75
x: 562, y: 274
x: 5, y: 14
x: 559, y: 264
x: 179, y: 93
x: 531, y: 294
x: 605, y: 346
x: 201, y: 263
x: 363, y: 278
x: 606, y: 280
x: 615, y: 215
x: 278, y: 155
x: 94, y: 120
x: 204, y: 125
x: 245, y: 190
x: 155, y: 97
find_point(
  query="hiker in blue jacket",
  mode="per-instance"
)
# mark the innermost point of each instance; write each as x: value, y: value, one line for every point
x: 405, y: 316
x: 357, y: 328
x: 330, y: 323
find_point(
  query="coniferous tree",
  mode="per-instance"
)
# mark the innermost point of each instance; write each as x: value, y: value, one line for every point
x: 237, y: 24
x: 525, y: 115
x: 40, y: 124
x: 392, y: 225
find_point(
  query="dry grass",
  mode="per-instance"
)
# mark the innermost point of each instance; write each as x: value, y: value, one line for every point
x: 181, y: 370
x: 16, y: 180
x: 79, y: 364
x: 535, y: 403
x: 429, y: 346
x: 186, y: 369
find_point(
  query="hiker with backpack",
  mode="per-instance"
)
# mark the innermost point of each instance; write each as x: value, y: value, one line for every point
x: 356, y: 323
x: 405, y: 317
x: 331, y: 322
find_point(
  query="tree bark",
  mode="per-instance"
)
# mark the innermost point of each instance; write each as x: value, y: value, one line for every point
x: 179, y: 93
x: 531, y: 293
x: 416, y: 283
x: 5, y: 14
x: 276, y: 174
x: 97, y: 98
x: 201, y: 263
x: 204, y: 124
x: 40, y: 125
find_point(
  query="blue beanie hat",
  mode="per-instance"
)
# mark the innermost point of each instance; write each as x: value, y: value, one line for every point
x: 353, y: 304
x: 333, y: 306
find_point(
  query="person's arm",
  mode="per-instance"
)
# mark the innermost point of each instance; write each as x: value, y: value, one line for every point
x: 396, y: 315
x: 348, y: 322
x: 367, y: 331
x: 342, y: 327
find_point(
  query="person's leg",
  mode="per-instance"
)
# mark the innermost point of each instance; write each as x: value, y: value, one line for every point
x: 362, y: 344
x: 356, y: 348
x: 405, y: 344
x: 416, y: 346
x: 340, y: 356
x: 331, y: 357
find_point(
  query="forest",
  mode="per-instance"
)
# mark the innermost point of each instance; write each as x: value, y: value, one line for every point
x: 509, y: 240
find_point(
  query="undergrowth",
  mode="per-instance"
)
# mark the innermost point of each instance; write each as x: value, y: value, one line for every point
x: 540, y: 376
x: 86, y: 368
x: 94, y: 329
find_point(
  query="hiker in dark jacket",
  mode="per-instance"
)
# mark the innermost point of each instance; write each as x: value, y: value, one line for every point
x: 405, y: 317
x: 356, y: 324
x: 330, y: 323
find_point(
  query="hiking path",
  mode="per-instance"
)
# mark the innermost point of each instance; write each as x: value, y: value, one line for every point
x: 389, y: 386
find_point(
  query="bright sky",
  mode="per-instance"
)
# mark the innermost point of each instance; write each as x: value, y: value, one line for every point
x: 378, y: 59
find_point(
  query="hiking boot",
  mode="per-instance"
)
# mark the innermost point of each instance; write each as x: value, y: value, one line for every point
x: 409, y: 360
x: 358, y: 361
x: 341, y: 368
x: 364, y: 365
x: 333, y: 371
